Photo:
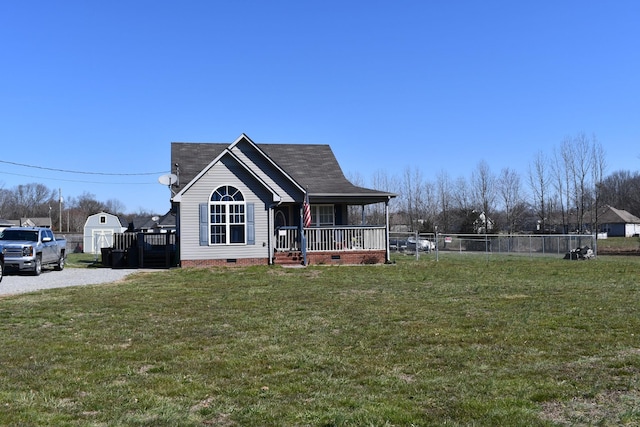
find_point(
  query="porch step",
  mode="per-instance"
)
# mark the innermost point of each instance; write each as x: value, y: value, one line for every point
x: 288, y: 258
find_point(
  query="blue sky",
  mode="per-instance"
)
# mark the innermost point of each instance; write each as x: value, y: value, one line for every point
x: 437, y: 85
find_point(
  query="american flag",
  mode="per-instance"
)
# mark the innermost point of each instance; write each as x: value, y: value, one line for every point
x: 306, y: 211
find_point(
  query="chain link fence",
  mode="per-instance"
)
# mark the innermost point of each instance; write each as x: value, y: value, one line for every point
x: 530, y: 244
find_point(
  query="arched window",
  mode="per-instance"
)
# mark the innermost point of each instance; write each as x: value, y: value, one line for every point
x: 227, y: 216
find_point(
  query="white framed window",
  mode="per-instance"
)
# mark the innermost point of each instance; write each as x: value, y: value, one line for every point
x: 227, y: 217
x: 322, y: 216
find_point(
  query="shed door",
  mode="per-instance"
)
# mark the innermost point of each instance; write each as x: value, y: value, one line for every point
x: 101, y: 239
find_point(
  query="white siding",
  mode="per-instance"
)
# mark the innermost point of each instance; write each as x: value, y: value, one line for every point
x: 632, y: 230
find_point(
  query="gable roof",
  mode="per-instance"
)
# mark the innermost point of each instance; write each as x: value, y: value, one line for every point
x: 32, y: 222
x: 121, y: 221
x: 612, y: 215
x: 143, y: 223
x: 311, y: 166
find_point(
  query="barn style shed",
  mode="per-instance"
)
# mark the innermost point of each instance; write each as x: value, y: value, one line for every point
x: 99, y: 230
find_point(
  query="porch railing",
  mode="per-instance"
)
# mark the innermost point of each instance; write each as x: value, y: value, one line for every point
x: 332, y: 239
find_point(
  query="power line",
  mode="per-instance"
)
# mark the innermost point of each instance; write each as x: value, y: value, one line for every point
x: 80, y: 172
x: 79, y: 181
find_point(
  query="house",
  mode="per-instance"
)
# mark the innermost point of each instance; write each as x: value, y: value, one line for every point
x: 32, y: 222
x: 99, y: 230
x: 156, y: 224
x: 4, y: 223
x: 242, y: 204
x: 618, y: 222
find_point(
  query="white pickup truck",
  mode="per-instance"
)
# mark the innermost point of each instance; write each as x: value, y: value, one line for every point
x: 31, y: 248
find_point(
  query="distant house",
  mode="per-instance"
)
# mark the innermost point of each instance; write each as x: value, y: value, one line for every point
x: 245, y: 203
x: 32, y: 222
x: 99, y: 230
x: 4, y: 223
x: 618, y: 222
x: 157, y: 224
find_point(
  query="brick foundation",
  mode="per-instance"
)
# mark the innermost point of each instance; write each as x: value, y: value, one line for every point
x: 346, y: 257
x: 313, y: 258
x: 239, y: 262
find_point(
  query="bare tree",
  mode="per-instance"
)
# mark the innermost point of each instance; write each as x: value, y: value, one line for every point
x: 598, y: 159
x: 510, y: 191
x: 445, y: 200
x: 29, y: 200
x: 462, y: 195
x: 430, y: 207
x: 581, y: 169
x: 483, y: 184
x: 464, y: 209
x: 114, y: 206
x: 5, y: 203
x: 86, y: 204
x: 621, y: 190
x: 560, y: 180
x: 383, y: 182
x: 413, y: 195
x: 539, y: 183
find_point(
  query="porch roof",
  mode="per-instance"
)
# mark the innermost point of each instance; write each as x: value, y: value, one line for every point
x: 311, y: 166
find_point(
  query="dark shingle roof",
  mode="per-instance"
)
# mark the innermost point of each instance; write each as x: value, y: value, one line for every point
x: 189, y: 158
x: 611, y: 215
x: 312, y: 166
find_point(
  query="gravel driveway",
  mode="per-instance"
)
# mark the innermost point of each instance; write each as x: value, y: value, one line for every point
x: 13, y: 283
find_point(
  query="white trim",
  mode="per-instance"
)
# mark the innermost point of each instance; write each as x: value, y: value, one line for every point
x: 227, y: 151
x: 275, y: 165
x: 227, y: 224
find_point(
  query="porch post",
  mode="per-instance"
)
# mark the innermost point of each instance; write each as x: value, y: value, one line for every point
x: 303, y: 238
x: 386, y: 229
x: 270, y: 233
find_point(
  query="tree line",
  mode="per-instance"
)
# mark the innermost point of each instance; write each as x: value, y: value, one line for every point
x: 35, y: 200
x: 561, y: 192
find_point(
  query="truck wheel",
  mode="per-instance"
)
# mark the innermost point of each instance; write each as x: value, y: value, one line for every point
x: 60, y: 264
x: 38, y: 267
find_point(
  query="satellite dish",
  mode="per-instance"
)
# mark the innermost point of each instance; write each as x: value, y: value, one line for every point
x: 155, y: 218
x: 169, y: 179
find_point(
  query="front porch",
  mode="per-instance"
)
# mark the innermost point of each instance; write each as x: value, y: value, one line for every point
x: 331, y: 245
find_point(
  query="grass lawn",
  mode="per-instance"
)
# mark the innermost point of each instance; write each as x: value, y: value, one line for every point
x: 468, y: 340
x: 619, y: 244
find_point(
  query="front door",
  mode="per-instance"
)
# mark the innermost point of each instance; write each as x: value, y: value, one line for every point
x: 280, y: 219
x: 285, y: 236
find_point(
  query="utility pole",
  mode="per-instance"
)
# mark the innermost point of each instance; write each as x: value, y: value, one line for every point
x: 60, y: 206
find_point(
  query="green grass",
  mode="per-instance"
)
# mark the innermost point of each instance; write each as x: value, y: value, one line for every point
x: 621, y: 244
x: 82, y: 260
x: 464, y: 341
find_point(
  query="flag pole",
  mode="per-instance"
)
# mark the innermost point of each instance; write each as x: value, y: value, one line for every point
x: 305, y: 221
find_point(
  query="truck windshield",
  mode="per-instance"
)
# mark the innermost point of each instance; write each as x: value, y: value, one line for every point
x: 23, y: 235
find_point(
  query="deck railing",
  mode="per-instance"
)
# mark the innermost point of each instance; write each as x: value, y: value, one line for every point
x: 332, y: 239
